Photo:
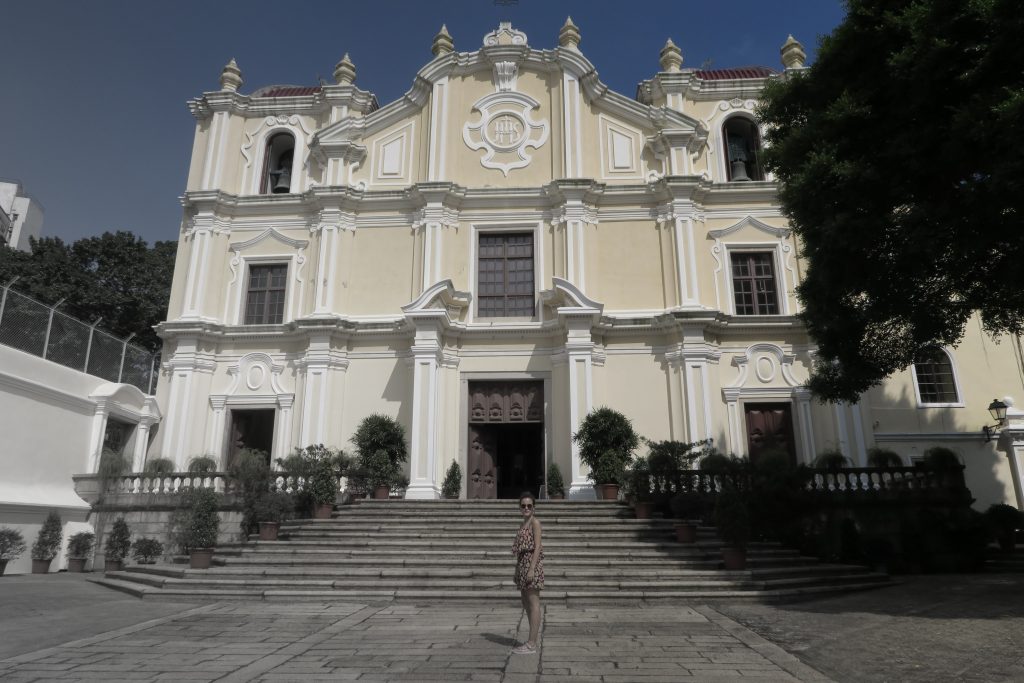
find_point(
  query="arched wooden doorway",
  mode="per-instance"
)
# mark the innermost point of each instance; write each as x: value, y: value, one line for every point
x: 506, y: 438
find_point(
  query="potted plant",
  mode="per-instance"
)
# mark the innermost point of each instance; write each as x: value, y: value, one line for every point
x: 884, y: 458
x: 606, y: 441
x: 79, y: 547
x: 47, y: 543
x: 556, y: 485
x: 452, y: 484
x: 202, y: 464
x: 12, y: 545
x: 250, y: 471
x: 146, y: 550
x: 380, y: 447
x: 1002, y: 522
x: 733, y: 521
x: 201, y: 527
x: 119, y: 543
x: 640, y: 488
x: 158, y: 467
x: 686, y: 507
x: 322, y: 482
x: 271, y: 510
x: 831, y: 460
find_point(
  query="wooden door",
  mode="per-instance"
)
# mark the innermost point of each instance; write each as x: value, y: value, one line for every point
x: 769, y: 428
x: 483, y: 475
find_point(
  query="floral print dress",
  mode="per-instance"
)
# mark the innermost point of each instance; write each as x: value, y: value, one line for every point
x: 523, y: 550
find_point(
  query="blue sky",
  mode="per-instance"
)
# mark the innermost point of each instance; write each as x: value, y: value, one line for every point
x: 94, y: 119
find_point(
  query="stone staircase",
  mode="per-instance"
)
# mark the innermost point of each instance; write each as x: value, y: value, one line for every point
x: 445, y: 551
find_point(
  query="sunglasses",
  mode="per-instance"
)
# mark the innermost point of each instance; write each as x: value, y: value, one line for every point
x: 525, y: 506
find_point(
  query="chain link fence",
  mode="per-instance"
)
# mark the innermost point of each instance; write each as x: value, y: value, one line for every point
x: 41, y: 330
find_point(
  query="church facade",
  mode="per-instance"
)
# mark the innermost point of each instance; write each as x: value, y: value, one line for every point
x: 507, y: 246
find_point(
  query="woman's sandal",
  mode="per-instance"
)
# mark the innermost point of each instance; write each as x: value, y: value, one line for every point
x: 524, y: 649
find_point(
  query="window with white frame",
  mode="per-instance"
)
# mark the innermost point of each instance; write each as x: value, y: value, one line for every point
x: 936, y: 381
x: 505, y: 275
x: 754, y: 287
x: 265, y: 294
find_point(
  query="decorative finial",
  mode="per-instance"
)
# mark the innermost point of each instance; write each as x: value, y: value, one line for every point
x: 793, y: 55
x: 231, y: 77
x: 345, y: 71
x: 569, y: 35
x: 671, y: 57
x: 443, y: 43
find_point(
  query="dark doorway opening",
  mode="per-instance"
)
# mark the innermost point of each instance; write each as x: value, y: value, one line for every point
x: 253, y: 429
x: 769, y: 429
x: 505, y: 460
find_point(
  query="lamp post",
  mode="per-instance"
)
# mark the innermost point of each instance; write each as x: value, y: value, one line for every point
x: 997, y: 409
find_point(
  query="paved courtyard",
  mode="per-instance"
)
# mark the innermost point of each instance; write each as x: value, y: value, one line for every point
x: 929, y: 629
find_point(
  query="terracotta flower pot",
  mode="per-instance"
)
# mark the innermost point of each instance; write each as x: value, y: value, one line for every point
x: 41, y: 566
x: 269, y: 530
x: 382, y: 493
x: 686, y: 532
x: 113, y: 565
x: 734, y: 558
x: 76, y: 565
x: 609, y: 491
x: 200, y: 558
x: 322, y: 511
x: 643, y: 510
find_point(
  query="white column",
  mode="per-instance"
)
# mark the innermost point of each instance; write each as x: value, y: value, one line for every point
x: 842, y: 434
x: 860, y: 452
x: 802, y: 397
x: 686, y: 264
x: 1011, y: 439
x: 579, y: 348
x: 283, y: 428
x: 426, y: 351
x: 141, y: 445
x: 325, y: 271
x: 737, y: 444
x: 215, y: 430
x: 98, y: 431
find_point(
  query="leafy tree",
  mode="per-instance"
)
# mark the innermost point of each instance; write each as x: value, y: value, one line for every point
x: 896, y: 153
x: 115, y: 276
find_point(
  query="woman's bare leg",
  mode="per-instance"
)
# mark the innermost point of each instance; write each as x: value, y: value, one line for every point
x: 533, y: 614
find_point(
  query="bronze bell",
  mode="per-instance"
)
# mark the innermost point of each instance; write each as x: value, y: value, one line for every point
x: 282, y: 178
x: 739, y: 170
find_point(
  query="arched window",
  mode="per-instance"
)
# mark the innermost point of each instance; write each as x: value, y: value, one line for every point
x: 742, y: 149
x: 277, y: 164
x: 936, y: 382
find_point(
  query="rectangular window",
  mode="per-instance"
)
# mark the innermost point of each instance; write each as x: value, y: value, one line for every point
x: 505, y: 275
x: 753, y: 283
x: 264, y: 302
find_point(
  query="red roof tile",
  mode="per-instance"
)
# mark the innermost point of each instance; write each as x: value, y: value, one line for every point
x: 739, y: 72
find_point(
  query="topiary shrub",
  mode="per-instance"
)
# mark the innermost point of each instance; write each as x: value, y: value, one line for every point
x: 322, y: 466
x: 606, y: 441
x: 638, y: 481
x: 202, y: 522
x: 158, y: 466
x: 251, y: 472
x: 1002, y: 522
x: 119, y: 540
x: 556, y: 485
x: 276, y: 506
x: 451, y: 487
x: 48, y: 541
x: 80, y: 544
x: 732, y: 518
x: 380, y: 449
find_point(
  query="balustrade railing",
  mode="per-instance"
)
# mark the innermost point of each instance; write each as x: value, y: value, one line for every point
x: 141, y: 483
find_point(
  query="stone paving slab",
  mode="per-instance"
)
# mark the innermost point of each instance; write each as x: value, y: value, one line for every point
x: 235, y: 642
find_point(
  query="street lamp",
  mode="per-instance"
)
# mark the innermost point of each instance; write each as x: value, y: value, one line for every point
x: 997, y: 409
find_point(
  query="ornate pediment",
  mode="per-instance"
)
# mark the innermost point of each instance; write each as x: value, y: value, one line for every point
x: 441, y: 297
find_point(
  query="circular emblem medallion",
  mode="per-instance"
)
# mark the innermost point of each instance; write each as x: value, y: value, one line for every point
x: 505, y: 131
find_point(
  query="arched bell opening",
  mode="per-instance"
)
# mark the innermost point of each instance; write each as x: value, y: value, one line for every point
x: 277, y: 164
x: 742, y: 149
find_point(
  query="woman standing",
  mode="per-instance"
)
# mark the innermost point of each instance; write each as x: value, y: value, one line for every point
x: 529, y: 569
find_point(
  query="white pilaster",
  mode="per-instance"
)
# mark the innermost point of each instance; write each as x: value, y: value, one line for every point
x: 426, y: 352
x: 802, y: 398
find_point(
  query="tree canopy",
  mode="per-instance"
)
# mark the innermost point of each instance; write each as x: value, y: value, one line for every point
x: 115, y: 276
x: 900, y: 171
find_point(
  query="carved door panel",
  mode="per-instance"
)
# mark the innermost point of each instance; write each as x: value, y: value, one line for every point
x: 483, y: 475
x: 769, y: 428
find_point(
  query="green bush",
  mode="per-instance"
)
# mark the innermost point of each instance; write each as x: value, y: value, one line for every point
x: 556, y: 485
x: 147, y: 549
x: 251, y: 472
x: 158, y: 466
x: 80, y: 544
x: 378, y: 469
x: 939, y: 457
x: 276, y: 506
x: 883, y: 457
x: 380, y: 450
x: 112, y: 465
x: 202, y: 521
x: 714, y: 462
x: 202, y: 464
x: 638, y: 480
x: 606, y: 441
x: 321, y: 466
x: 451, y: 487
x: 732, y: 518
x: 831, y: 460
x: 48, y: 541
x: 12, y: 544
x: 119, y: 540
